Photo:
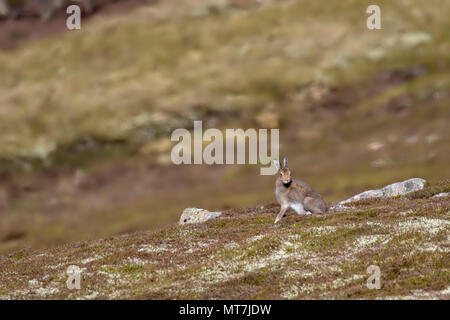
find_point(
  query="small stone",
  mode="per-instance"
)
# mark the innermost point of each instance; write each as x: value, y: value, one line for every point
x: 442, y: 194
x: 196, y: 215
x: 375, y: 146
x: 413, y: 39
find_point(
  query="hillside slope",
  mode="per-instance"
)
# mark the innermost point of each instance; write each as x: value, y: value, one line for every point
x: 242, y: 255
x: 86, y: 117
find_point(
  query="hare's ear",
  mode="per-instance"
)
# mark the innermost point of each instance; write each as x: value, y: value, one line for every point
x: 276, y: 162
x: 285, y: 162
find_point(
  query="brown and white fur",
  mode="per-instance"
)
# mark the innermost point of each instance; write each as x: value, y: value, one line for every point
x: 295, y: 194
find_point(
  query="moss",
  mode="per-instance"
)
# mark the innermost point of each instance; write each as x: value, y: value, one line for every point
x: 434, y: 281
x: 337, y: 238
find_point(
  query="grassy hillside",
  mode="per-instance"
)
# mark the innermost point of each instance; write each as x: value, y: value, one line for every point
x: 85, y: 117
x: 242, y: 255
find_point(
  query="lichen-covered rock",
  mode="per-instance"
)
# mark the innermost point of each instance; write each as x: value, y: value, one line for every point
x: 196, y: 215
x: 392, y: 190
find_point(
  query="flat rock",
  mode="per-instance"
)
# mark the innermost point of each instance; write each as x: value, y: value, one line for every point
x: 392, y: 190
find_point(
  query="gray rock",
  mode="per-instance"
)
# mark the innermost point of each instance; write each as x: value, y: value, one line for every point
x: 196, y: 215
x: 442, y: 194
x: 392, y: 190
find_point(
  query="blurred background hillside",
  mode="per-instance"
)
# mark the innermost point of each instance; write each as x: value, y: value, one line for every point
x: 86, y: 116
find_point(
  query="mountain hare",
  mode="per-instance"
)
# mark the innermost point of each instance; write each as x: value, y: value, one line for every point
x: 295, y: 194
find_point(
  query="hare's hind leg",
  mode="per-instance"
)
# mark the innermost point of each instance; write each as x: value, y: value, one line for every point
x: 314, y: 205
x: 299, y: 208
